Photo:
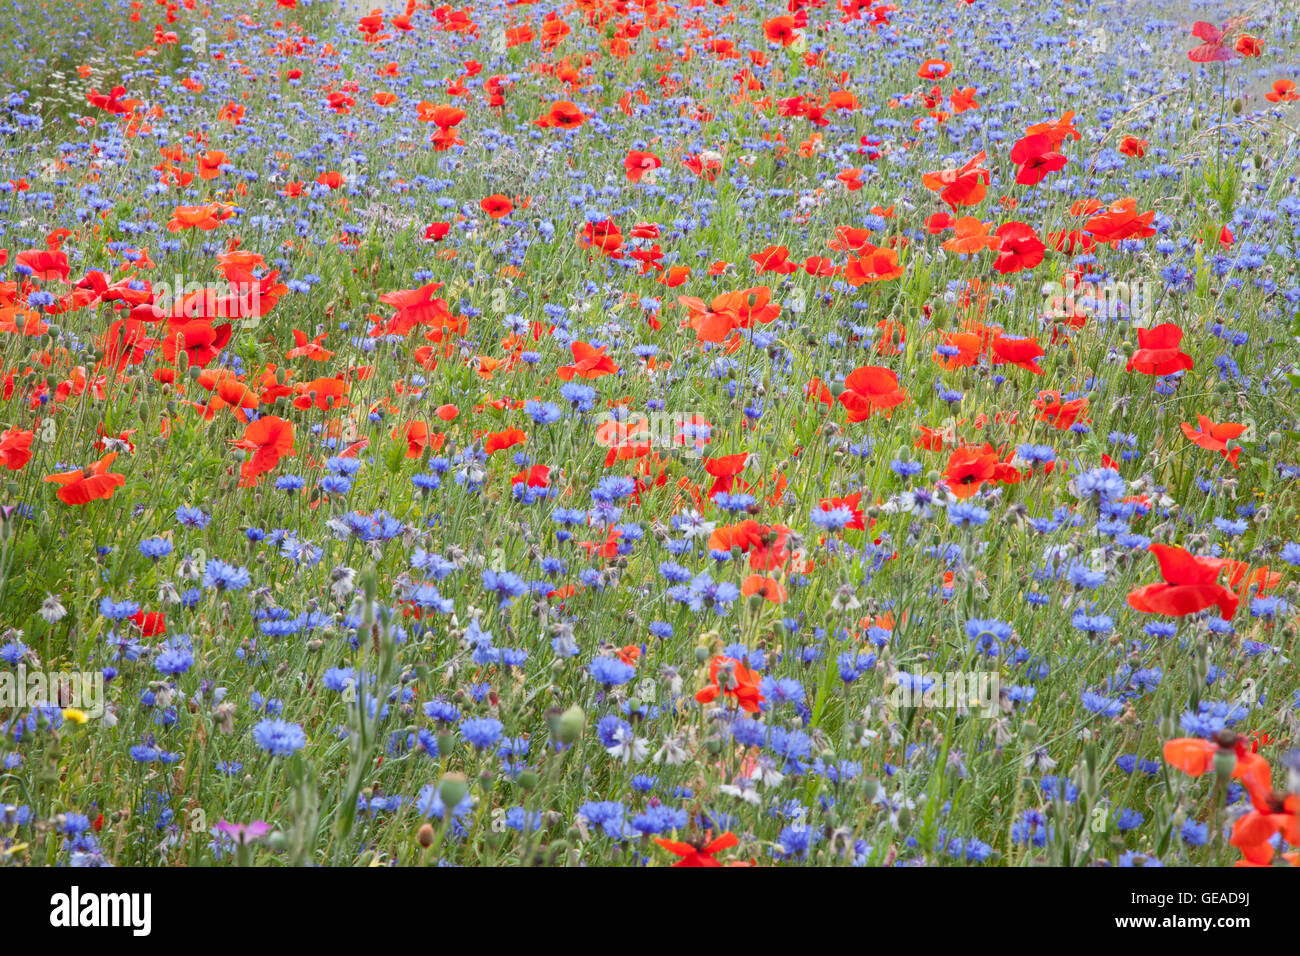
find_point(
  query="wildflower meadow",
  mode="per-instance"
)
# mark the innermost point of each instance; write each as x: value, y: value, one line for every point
x: 592, y: 433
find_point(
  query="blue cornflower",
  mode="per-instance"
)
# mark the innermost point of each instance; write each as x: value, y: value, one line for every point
x: 611, y: 671
x: 481, y: 732
x: 279, y: 737
x: 155, y: 548
x: 606, y: 814
x: 192, y: 517
x: 225, y: 577
x: 174, y: 660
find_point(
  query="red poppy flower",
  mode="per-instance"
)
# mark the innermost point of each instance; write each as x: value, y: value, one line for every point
x: 1057, y: 131
x: 1021, y: 352
x: 588, y: 362
x: 1248, y: 46
x: 563, y: 115
x: 45, y: 265
x: 204, y: 218
x: 496, y: 206
x: 1190, y: 585
x: 84, y: 485
x: 968, y: 469
x: 1052, y: 407
x: 1194, y: 756
x: 938, y: 223
x: 871, y: 389
x: 322, y: 393
x: 1132, y: 146
x: 964, y: 186
x: 1120, y: 220
x: 700, y: 853
x: 603, y: 236
x: 933, y: 69
x: 782, y: 30
x: 960, y: 350
x: 199, y: 339
x: 1036, y: 158
x: 724, y: 470
x: 730, y: 678
x: 535, y: 476
x: 851, y: 178
x: 15, y: 448
x: 111, y: 102
x: 268, y: 439
x: 445, y: 117
x: 1158, y: 352
x: 1021, y: 248
x: 1283, y: 91
x: 1253, y: 833
x: 770, y: 589
x: 774, y: 259
x: 151, y: 623
x: 414, y: 307
x: 874, y: 265
x: 638, y: 163
x: 496, y: 441
x: 1215, y: 48
x: 1214, y: 437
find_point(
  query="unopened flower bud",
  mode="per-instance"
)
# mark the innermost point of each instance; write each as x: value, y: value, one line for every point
x: 452, y: 789
x: 1225, y: 761
x: 424, y: 836
x: 572, y: 722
